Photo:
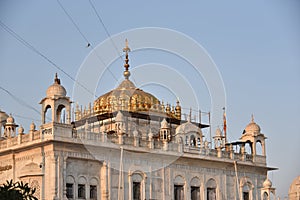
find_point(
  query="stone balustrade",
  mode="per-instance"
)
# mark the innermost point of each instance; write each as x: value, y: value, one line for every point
x: 86, y: 136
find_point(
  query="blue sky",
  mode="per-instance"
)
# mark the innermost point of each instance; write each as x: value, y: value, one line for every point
x: 255, y: 46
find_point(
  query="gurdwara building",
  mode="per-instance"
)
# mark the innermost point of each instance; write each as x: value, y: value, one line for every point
x: 129, y: 145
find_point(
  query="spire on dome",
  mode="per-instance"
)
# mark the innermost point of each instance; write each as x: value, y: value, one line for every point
x: 126, y: 49
x: 56, y: 79
x: 252, y: 118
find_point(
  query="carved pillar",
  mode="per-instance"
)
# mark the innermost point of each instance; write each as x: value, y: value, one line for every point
x: 19, y: 138
x: 231, y: 152
x: 54, y: 176
x: 243, y: 152
x: 104, y: 181
x: 165, y: 145
x: 109, y: 179
x: 53, y: 107
x: 64, y: 175
x: 130, y: 186
x: 60, y: 176
x: 121, y: 139
x: 136, y: 141
x: 219, y: 152
x: 254, y: 148
x: 180, y: 145
x: 263, y: 144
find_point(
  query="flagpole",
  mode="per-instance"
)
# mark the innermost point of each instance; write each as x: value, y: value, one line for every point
x: 209, y: 128
x: 200, y: 118
x: 225, y: 125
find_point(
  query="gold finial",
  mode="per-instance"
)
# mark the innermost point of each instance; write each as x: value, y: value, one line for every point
x: 252, y: 118
x: 126, y: 49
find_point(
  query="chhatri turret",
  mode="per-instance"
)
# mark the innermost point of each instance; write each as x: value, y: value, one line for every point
x: 56, y: 100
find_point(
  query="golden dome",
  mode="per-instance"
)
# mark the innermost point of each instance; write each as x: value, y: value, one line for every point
x: 126, y: 97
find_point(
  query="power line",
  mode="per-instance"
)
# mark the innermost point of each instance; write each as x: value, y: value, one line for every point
x: 32, y: 48
x: 73, y: 22
x: 89, y: 44
x: 25, y: 117
x: 106, y: 30
x: 20, y: 101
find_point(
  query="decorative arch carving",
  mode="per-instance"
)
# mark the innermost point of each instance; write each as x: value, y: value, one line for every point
x: 195, y: 181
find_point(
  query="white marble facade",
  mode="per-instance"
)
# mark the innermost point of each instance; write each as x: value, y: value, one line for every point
x: 160, y: 155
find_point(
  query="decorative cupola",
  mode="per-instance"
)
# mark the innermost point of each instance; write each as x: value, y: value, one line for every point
x: 10, y: 127
x: 120, y: 123
x: 56, y: 101
x: 189, y: 133
x: 267, y: 190
x: 252, y: 135
x: 219, y: 139
x: 21, y: 130
x: 32, y: 127
x: 3, y: 117
x: 165, y: 131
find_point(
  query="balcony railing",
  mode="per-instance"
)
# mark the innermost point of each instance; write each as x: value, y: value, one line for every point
x: 67, y: 134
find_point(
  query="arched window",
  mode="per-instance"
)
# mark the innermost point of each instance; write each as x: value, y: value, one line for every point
x: 246, y: 189
x: 138, y: 188
x: 93, y: 188
x: 179, y: 188
x: 211, y: 186
x: 265, y: 196
x: 48, y: 114
x: 70, y: 183
x: 61, y: 114
x: 193, y: 141
x: 81, y: 188
x: 246, y: 192
x: 195, y: 188
x: 248, y: 148
x: 259, y: 148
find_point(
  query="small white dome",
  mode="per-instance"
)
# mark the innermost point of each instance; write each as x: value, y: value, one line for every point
x: 21, y: 130
x: 252, y: 127
x: 267, y: 183
x: 10, y: 120
x: 218, y: 132
x: 164, y: 124
x: 56, y: 89
x: 188, y: 127
x: 32, y: 126
x: 119, y: 117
